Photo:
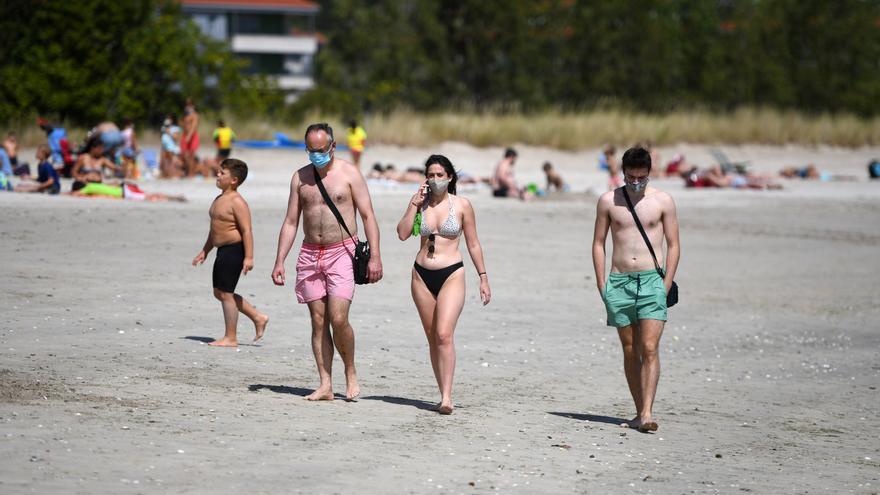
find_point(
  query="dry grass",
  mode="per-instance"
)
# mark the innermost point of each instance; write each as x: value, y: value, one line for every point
x: 589, y: 129
x: 558, y: 129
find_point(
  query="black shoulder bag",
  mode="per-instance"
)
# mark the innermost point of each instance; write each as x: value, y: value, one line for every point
x: 362, y: 251
x: 672, y: 294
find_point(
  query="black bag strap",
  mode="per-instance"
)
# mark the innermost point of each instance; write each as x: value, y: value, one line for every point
x: 330, y: 201
x: 632, y: 210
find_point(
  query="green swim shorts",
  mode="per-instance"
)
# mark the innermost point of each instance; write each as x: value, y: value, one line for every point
x: 634, y: 296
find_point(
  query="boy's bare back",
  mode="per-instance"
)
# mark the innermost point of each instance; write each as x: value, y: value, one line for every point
x: 225, y: 212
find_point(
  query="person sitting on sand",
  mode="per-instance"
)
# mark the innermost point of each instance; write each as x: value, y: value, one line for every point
x: 10, y: 145
x: 231, y: 234
x: 129, y: 151
x: 171, y: 163
x: 554, y: 180
x: 90, y: 164
x: 47, y: 177
x: 676, y: 165
x: 503, y: 182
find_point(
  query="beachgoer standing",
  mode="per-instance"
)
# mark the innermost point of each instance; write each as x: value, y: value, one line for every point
x: 438, y: 273
x: 357, y: 141
x: 634, y: 293
x: 223, y: 138
x: 324, y: 271
x: 189, y: 143
x: 231, y: 234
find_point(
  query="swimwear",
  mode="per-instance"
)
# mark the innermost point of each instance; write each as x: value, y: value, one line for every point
x: 223, y: 153
x: 191, y: 144
x: 434, y: 279
x: 501, y: 192
x: 634, y: 296
x: 450, y: 228
x: 227, y: 266
x: 325, y: 270
x: 101, y: 189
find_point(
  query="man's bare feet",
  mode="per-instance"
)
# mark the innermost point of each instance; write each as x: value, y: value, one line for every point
x: 645, y: 425
x: 260, y: 325
x: 322, y: 393
x: 352, y: 389
x: 224, y: 343
x: 445, y: 408
x: 632, y: 423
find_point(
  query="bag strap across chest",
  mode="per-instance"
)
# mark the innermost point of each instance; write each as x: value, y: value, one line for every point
x: 632, y: 210
x: 329, y: 201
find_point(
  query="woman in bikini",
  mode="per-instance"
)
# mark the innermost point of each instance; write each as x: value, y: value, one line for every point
x: 438, y: 274
x: 89, y: 166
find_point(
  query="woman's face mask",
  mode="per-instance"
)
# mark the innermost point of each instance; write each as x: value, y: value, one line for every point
x: 438, y: 186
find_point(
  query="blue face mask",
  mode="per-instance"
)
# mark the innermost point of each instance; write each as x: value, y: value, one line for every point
x: 319, y: 159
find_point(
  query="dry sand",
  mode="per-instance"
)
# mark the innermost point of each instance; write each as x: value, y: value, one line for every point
x: 770, y: 361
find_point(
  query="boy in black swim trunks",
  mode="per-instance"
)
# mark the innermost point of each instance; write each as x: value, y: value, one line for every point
x: 231, y: 234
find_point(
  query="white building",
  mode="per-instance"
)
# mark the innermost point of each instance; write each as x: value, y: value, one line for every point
x: 277, y: 37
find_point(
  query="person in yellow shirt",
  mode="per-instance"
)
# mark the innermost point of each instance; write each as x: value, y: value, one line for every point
x: 357, y: 139
x: 223, y: 137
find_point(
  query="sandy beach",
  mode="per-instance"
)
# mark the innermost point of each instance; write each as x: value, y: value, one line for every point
x: 769, y: 375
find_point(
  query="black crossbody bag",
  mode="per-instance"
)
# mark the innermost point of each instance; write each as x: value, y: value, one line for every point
x: 362, y: 251
x: 672, y: 294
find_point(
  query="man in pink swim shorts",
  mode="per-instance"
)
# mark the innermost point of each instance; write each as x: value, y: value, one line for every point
x: 324, y: 272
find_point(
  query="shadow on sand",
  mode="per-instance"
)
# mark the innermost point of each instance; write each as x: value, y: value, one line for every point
x: 208, y: 340
x: 596, y: 418
x: 418, y: 404
x: 280, y: 389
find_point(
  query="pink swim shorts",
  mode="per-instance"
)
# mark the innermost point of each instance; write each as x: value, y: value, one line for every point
x: 325, y: 271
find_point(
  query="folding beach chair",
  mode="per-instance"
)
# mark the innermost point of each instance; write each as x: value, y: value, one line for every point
x: 726, y: 165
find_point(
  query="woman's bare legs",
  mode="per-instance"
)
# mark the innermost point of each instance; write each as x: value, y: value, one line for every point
x: 439, y: 319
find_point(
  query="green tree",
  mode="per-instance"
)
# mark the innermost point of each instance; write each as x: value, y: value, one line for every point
x: 90, y: 60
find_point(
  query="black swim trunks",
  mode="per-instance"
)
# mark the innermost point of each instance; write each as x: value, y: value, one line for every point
x: 501, y: 192
x: 227, y: 266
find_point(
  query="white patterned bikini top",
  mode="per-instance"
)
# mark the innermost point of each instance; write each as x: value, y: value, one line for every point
x: 450, y: 228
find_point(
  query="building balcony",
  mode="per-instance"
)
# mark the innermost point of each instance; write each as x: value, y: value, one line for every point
x: 260, y: 43
x: 295, y: 83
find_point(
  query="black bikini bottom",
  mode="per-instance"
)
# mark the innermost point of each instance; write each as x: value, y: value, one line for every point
x: 434, y: 279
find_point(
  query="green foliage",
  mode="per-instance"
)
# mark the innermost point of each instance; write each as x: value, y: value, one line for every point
x: 93, y: 60
x: 644, y: 55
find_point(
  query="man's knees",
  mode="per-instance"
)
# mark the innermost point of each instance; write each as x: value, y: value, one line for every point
x: 648, y: 350
x: 338, y: 322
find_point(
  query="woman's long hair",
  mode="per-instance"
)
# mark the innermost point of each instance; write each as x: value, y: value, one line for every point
x: 447, y: 166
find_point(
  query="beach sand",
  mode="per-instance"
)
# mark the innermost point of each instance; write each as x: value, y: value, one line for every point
x: 769, y: 362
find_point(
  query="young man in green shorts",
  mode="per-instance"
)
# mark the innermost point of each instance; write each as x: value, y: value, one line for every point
x: 634, y: 292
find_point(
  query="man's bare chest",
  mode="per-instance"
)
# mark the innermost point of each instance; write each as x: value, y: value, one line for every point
x: 310, y: 196
x: 649, y: 216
